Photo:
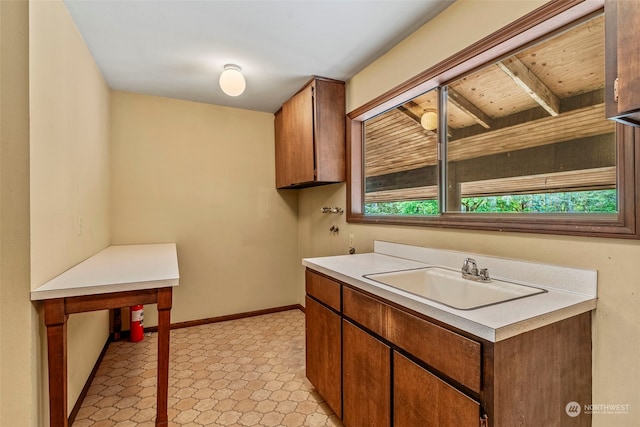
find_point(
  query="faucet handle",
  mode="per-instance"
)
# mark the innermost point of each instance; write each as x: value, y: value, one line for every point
x: 484, y: 274
x: 469, y: 266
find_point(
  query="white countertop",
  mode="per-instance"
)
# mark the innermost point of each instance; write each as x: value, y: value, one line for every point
x: 117, y: 268
x: 569, y: 291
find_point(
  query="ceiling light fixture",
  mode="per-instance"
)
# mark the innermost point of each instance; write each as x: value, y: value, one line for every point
x: 232, y: 81
x: 429, y: 120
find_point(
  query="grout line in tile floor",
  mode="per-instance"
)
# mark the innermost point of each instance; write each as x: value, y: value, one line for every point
x: 243, y: 372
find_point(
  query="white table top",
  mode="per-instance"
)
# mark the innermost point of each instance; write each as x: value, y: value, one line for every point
x: 117, y: 268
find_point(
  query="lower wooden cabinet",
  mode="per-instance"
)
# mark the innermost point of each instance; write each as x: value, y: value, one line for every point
x: 422, y: 399
x: 323, y: 340
x: 380, y: 365
x: 366, y: 378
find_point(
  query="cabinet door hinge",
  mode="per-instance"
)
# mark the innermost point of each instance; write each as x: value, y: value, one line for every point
x: 484, y: 421
x: 615, y: 89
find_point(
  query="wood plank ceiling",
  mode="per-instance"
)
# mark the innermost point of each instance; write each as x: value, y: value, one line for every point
x: 548, y: 93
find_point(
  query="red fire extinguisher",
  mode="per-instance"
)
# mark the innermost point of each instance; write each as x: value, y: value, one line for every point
x: 136, y: 323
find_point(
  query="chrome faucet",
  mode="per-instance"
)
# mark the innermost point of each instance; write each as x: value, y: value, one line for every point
x: 469, y: 267
x: 470, y: 271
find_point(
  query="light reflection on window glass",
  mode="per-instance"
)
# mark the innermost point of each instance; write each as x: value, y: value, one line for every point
x: 529, y: 133
x: 400, y: 156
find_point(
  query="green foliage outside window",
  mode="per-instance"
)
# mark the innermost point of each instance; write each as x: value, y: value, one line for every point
x: 412, y: 207
x: 596, y: 201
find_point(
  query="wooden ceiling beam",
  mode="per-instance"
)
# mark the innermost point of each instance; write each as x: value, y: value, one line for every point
x: 410, y: 113
x: 470, y: 109
x: 404, y: 194
x: 579, y: 123
x: 581, y: 153
x: 531, y: 84
x: 567, y: 105
x: 575, y: 180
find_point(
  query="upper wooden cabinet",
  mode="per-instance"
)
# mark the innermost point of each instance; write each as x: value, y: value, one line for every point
x: 310, y: 136
x: 622, y: 32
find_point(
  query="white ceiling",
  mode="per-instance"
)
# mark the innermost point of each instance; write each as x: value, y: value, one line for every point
x: 177, y: 48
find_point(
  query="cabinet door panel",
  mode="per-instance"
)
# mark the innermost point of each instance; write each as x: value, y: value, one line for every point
x: 422, y: 399
x: 330, y: 126
x: 366, y: 379
x: 622, y: 50
x: 298, y: 137
x: 628, y: 27
x: 323, y: 352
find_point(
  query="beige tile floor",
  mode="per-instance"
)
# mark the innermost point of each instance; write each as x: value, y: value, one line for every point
x: 245, y: 372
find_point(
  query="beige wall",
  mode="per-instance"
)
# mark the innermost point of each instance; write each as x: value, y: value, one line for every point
x: 203, y: 176
x: 616, y: 329
x: 69, y: 107
x: 18, y: 319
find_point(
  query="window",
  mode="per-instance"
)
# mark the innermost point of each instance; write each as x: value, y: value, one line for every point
x: 400, y: 159
x: 518, y: 143
x: 528, y: 133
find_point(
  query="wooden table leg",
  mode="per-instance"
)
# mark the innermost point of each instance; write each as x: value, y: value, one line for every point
x: 56, y: 321
x: 164, y: 321
x: 117, y: 323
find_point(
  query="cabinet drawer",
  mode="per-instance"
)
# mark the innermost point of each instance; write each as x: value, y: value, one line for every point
x: 367, y: 311
x: 450, y: 353
x: 323, y: 289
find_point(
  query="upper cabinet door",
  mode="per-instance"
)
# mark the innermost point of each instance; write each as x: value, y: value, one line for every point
x: 329, y: 118
x: 623, y: 61
x: 294, y: 141
x: 298, y: 120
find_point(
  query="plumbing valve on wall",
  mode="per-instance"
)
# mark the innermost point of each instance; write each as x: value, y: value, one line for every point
x: 334, y: 229
x: 333, y: 210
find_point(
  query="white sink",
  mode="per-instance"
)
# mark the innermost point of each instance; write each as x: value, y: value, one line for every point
x: 448, y: 287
